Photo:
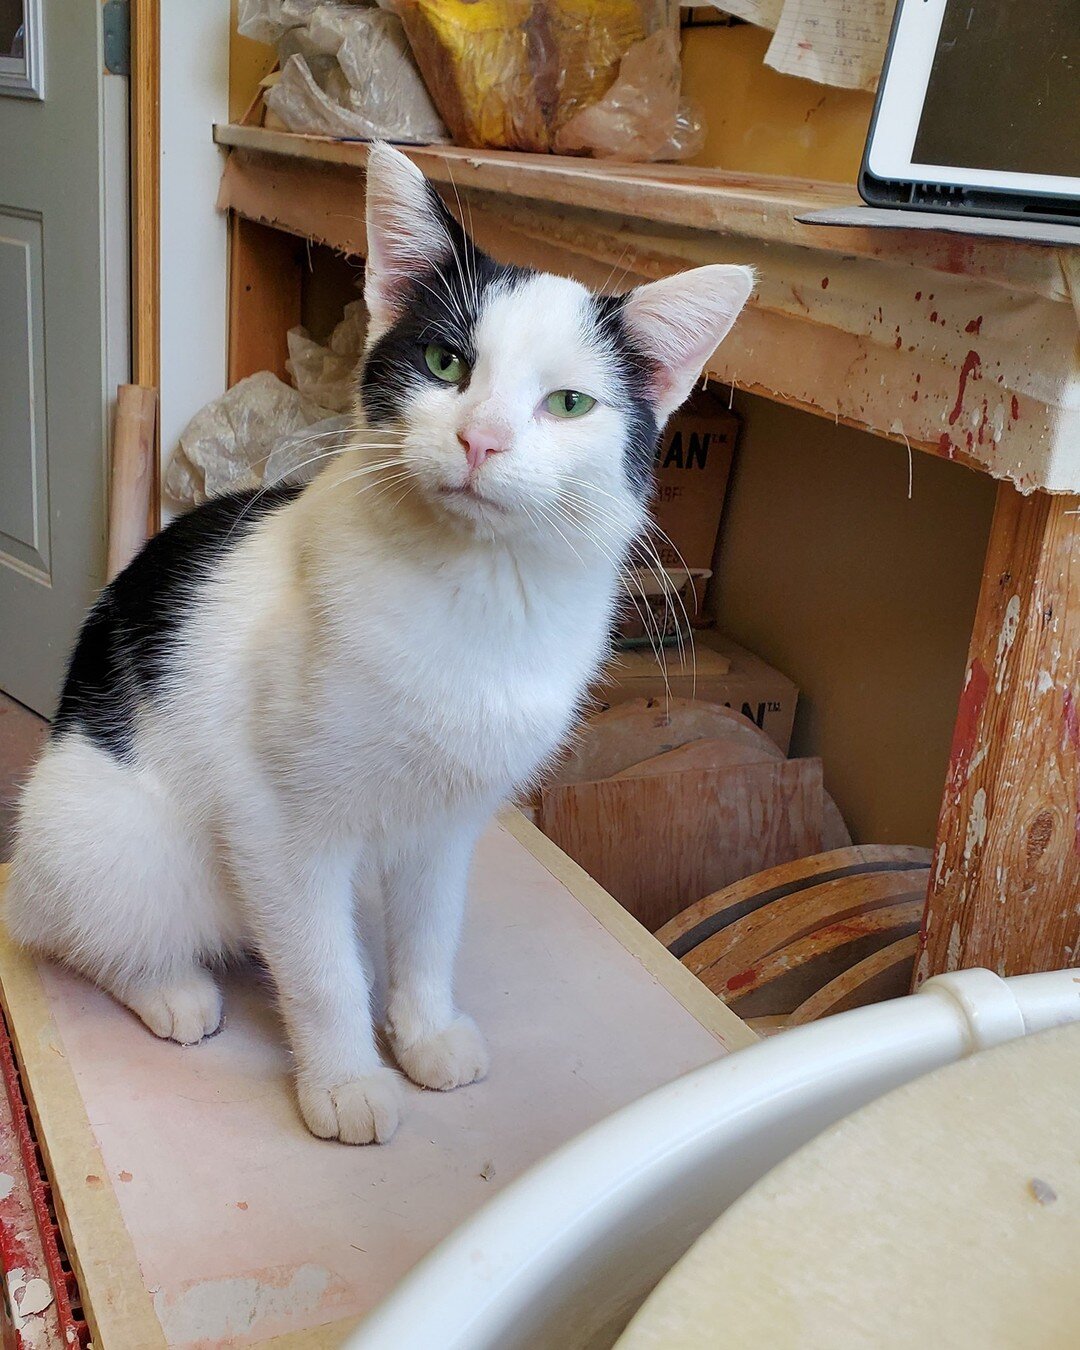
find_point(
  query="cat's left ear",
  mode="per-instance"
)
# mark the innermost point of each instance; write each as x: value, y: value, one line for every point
x: 408, y: 231
x: 679, y: 322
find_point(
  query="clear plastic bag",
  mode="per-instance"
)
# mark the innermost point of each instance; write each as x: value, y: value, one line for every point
x: 267, y: 20
x: 225, y: 446
x: 642, y: 116
x: 347, y: 71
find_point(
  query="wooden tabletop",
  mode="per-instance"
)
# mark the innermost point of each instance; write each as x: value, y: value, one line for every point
x: 198, y: 1210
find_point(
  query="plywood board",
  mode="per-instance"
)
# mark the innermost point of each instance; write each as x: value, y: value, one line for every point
x: 216, y: 1219
x: 659, y: 843
x: 643, y: 728
x: 703, y: 754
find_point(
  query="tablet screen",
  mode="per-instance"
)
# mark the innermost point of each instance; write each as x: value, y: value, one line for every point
x: 1004, y: 88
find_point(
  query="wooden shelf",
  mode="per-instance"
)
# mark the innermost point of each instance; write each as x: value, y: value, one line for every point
x: 961, y: 346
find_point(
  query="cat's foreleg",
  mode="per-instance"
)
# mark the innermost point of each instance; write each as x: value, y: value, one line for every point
x: 302, y: 914
x: 424, y: 891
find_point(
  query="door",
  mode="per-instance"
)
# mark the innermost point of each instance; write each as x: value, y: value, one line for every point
x: 54, y: 404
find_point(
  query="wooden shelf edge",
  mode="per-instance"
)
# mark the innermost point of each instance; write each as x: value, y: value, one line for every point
x: 703, y: 1005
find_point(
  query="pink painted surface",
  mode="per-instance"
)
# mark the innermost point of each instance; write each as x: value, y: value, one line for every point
x: 247, y: 1227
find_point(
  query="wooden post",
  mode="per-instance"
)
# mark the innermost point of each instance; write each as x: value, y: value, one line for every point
x: 132, y: 478
x: 1005, y: 880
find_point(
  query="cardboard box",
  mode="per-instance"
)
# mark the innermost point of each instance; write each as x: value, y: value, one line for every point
x: 725, y: 673
x: 693, y: 462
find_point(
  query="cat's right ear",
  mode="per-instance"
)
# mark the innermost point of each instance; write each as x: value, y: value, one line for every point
x: 407, y: 231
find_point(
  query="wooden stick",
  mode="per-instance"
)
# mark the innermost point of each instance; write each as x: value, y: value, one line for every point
x: 132, y: 475
x: 145, y: 97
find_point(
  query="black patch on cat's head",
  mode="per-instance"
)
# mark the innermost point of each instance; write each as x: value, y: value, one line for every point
x: 441, y: 304
x: 636, y: 371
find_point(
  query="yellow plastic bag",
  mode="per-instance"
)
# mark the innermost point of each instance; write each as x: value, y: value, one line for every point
x: 511, y: 74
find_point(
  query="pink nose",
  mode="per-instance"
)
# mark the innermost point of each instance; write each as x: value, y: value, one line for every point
x: 478, y: 442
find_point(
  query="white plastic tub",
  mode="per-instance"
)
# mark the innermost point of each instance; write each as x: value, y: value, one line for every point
x: 562, y: 1258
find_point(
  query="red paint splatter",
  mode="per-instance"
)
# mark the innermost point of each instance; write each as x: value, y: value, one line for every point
x: 918, y: 379
x: 1015, y: 409
x: 972, y: 702
x: 969, y: 438
x: 933, y: 317
x: 945, y: 445
x: 899, y: 343
x: 1071, y: 718
x: 970, y: 369
x: 241, y: 1204
x: 958, y: 253
x: 824, y: 283
x: 915, y: 396
x: 918, y: 295
x: 125, y: 1176
x: 975, y: 326
x: 742, y: 980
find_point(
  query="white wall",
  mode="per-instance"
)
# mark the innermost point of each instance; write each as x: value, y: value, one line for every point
x: 194, y: 279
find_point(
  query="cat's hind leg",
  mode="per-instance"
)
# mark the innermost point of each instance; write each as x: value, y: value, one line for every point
x: 108, y: 880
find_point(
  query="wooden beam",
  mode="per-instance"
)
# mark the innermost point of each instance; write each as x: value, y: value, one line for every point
x: 145, y: 147
x: 265, y: 280
x: 1006, y: 875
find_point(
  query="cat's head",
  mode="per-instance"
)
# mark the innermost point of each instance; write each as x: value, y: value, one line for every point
x: 518, y: 400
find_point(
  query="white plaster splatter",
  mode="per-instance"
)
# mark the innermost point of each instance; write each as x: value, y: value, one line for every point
x: 1009, y: 624
x: 212, y: 1311
x: 997, y: 422
x: 978, y: 759
x: 976, y: 824
x: 1045, y: 682
x: 7, y: 1185
x: 953, y: 955
x: 36, y: 1297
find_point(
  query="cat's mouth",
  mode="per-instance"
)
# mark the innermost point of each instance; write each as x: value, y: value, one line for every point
x: 469, y: 492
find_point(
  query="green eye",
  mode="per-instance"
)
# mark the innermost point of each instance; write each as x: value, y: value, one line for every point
x: 445, y: 364
x: 569, y: 403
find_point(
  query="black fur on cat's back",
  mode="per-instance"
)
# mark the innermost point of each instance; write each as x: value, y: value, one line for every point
x: 124, y: 645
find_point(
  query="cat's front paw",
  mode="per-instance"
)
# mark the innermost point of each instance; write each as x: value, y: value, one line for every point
x: 361, y: 1111
x: 450, y: 1058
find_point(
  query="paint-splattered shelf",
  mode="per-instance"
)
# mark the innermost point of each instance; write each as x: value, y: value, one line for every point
x: 958, y: 345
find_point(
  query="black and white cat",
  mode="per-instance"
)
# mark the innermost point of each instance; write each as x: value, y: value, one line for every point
x: 294, y: 698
